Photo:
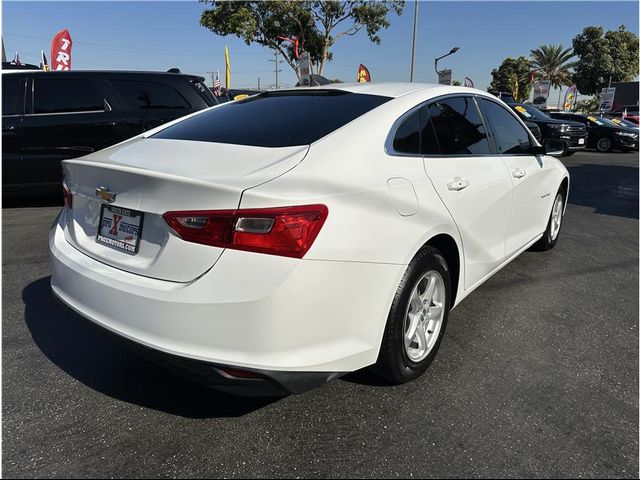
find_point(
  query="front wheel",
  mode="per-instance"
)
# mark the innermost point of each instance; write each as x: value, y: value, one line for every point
x: 550, y: 236
x: 417, y: 319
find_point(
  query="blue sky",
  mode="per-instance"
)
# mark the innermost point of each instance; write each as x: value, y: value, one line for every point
x: 161, y: 35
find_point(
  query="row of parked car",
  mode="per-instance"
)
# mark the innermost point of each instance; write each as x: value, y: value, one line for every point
x: 51, y: 116
x: 581, y: 131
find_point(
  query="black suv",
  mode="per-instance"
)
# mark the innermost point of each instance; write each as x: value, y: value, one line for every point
x: 604, y: 135
x: 51, y: 116
x: 573, y: 134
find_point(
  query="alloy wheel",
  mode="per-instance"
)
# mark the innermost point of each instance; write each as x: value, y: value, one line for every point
x: 604, y: 144
x: 556, y: 217
x: 424, y: 316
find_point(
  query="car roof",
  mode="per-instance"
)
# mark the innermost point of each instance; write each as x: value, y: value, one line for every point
x: 101, y: 72
x: 390, y: 89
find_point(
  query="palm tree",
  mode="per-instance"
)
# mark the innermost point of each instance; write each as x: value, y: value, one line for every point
x: 554, y: 62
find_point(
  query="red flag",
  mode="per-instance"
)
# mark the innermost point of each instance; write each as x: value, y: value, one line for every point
x: 61, y: 51
x: 363, y: 74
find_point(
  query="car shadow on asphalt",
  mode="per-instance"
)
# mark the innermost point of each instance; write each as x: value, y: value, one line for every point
x: 34, y: 201
x: 609, y: 189
x: 99, y: 361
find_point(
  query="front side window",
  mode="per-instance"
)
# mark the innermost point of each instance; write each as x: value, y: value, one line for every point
x: 510, y: 136
x: 66, y: 95
x: 11, y: 104
x: 275, y: 119
x: 149, y: 95
x: 407, y: 138
x: 458, y: 127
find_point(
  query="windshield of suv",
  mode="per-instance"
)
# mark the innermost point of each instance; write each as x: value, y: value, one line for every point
x: 527, y: 112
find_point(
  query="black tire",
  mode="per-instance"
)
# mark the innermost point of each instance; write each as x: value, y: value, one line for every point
x: 604, y: 144
x: 393, y: 362
x: 547, y: 242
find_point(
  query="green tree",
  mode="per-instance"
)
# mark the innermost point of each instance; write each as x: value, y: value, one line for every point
x: 602, y: 56
x: 587, y: 105
x: 318, y: 24
x: 513, y: 75
x: 553, y: 61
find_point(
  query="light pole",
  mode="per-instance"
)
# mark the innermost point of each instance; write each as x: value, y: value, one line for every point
x: 451, y: 52
x: 415, y: 36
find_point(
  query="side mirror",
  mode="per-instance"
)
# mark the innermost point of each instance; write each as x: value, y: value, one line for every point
x: 551, y: 146
x: 554, y: 147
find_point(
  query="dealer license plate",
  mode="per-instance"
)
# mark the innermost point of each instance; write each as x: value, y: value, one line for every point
x: 120, y: 228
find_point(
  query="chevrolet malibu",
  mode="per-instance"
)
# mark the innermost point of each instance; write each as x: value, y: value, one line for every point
x: 272, y: 244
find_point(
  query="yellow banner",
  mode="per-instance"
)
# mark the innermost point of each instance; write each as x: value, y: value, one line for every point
x: 228, y: 68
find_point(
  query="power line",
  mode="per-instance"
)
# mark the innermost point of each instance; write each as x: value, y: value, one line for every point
x: 127, y: 47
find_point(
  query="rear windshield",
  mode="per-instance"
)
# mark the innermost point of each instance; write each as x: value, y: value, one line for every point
x: 275, y: 119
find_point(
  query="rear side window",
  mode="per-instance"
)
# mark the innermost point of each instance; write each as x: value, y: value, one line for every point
x: 205, y: 93
x: 430, y: 144
x: 459, y: 127
x: 11, y: 104
x: 149, y: 95
x: 66, y: 95
x: 510, y: 136
x: 407, y: 138
x: 275, y: 119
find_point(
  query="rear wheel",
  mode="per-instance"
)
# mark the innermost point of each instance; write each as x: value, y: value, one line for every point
x: 417, y: 319
x: 551, y: 234
x: 604, y: 144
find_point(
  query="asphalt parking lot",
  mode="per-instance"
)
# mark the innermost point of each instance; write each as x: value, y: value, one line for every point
x: 537, y: 375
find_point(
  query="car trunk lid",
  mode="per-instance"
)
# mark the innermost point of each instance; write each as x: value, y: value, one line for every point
x: 153, y: 176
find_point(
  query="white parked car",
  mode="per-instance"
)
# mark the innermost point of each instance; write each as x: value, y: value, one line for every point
x: 277, y: 242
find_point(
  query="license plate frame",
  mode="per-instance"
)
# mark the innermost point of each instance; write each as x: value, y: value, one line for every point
x: 105, y: 237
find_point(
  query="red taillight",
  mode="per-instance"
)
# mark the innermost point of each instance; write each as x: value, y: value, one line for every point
x: 68, y: 196
x: 285, y: 231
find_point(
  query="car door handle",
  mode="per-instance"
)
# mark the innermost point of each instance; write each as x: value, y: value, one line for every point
x: 457, y: 184
x: 519, y: 173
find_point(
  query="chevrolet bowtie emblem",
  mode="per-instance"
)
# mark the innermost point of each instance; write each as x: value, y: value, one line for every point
x: 105, y: 194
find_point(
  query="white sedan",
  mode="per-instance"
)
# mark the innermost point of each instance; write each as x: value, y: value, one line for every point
x: 271, y: 244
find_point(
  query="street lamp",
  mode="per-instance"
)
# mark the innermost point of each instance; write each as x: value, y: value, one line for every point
x: 453, y: 50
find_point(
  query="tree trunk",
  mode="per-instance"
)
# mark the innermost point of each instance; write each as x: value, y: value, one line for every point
x: 325, y: 48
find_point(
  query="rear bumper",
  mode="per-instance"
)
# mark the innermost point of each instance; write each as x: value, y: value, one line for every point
x: 254, y: 382
x: 283, y: 318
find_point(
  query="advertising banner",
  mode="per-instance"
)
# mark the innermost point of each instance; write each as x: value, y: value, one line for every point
x: 305, y: 69
x: 569, y: 97
x: 444, y: 77
x: 61, y: 51
x: 606, y: 99
x: 363, y: 74
x: 227, y: 69
x: 468, y: 82
x: 541, y: 93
